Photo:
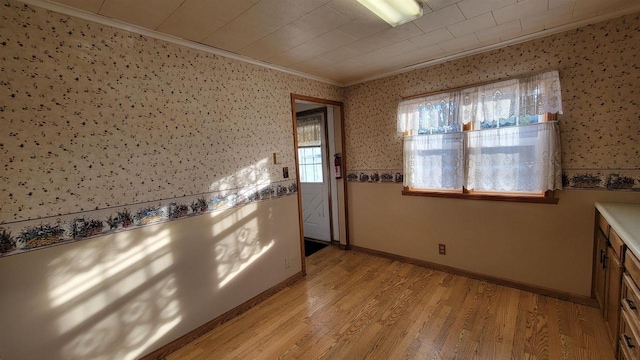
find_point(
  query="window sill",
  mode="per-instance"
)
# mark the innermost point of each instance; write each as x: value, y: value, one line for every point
x: 547, y: 199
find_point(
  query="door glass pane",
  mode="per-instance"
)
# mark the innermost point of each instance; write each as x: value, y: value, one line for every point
x: 310, y: 164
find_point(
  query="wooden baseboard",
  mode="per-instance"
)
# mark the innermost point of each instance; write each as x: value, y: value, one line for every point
x: 176, y: 344
x: 578, y: 299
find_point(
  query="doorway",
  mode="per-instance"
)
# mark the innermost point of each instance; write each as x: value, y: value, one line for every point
x: 313, y: 172
x: 318, y: 138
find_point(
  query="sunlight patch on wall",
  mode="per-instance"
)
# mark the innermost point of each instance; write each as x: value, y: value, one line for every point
x: 143, y: 348
x: 227, y: 221
x: 247, y: 177
x: 247, y: 257
x: 68, y: 285
x: 122, y: 296
x: 240, y: 244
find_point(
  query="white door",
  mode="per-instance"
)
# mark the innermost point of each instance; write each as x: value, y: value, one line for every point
x: 314, y: 183
x: 315, y: 211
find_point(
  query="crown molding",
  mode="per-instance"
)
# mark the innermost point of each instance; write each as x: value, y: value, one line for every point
x: 500, y: 45
x: 89, y: 16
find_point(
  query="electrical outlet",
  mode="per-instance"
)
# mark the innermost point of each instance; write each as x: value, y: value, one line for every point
x: 442, y: 249
x: 287, y: 263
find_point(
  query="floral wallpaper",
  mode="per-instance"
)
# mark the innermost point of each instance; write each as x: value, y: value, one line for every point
x: 600, y: 126
x: 99, y: 119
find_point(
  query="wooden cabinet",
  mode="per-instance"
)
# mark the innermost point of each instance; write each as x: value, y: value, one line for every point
x: 616, y: 276
x: 608, y: 271
x: 614, y: 285
x: 600, y: 265
x: 630, y: 297
x: 629, y: 336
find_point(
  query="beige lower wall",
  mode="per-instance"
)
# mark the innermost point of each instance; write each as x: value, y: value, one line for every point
x: 123, y: 295
x: 539, y: 244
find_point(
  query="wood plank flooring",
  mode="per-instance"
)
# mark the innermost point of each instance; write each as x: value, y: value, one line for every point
x: 357, y: 306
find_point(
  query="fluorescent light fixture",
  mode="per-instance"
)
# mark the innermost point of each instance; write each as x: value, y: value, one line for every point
x: 394, y: 12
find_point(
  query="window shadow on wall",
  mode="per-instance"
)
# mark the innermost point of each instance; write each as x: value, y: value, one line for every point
x: 115, y: 299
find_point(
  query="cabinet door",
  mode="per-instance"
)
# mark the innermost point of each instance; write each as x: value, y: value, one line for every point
x: 614, y: 285
x: 600, y: 274
x: 628, y: 338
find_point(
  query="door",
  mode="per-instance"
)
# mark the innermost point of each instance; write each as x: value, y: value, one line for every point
x: 314, y: 175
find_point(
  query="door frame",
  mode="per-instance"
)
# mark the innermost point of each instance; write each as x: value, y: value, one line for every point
x: 327, y: 165
x: 344, y: 203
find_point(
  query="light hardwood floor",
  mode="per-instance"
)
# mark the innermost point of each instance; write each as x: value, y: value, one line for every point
x: 357, y: 306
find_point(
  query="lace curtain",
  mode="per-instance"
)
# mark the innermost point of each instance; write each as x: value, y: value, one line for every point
x: 434, y: 114
x: 309, y: 130
x: 511, y: 149
x: 514, y: 159
x: 514, y: 102
x: 434, y: 161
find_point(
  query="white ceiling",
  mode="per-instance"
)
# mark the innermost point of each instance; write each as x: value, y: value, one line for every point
x: 342, y: 41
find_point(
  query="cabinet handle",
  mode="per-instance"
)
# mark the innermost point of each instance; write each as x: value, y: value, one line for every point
x: 632, y: 306
x: 601, y: 256
x: 628, y: 340
x: 604, y: 261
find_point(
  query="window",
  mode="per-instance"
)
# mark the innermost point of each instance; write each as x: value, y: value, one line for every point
x: 310, y: 164
x: 497, y: 139
x: 309, y: 148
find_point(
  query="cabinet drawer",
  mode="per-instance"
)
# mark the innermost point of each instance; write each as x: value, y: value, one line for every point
x: 631, y: 298
x: 632, y: 266
x: 628, y: 336
x: 623, y: 352
x: 603, y: 224
x: 616, y: 243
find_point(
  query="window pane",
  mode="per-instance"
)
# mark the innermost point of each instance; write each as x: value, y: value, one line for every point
x: 318, y: 173
x: 310, y: 159
x: 303, y: 173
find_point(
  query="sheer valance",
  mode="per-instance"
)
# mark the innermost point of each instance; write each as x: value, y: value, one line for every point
x: 309, y: 130
x: 514, y: 102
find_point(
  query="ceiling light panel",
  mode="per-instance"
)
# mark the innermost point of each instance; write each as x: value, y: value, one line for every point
x: 394, y: 12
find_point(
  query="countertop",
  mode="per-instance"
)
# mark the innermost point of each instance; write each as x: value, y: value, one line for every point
x: 625, y: 220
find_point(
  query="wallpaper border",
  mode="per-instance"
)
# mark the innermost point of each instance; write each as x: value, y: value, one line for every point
x: 601, y: 179
x: 572, y: 179
x: 29, y: 235
x: 375, y: 176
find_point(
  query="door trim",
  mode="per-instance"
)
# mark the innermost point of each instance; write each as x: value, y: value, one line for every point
x: 340, y: 105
